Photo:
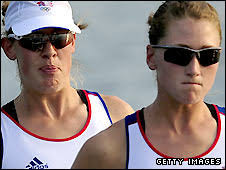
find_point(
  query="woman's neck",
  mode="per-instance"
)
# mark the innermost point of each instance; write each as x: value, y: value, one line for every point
x: 176, y: 116
x: 52, y: 105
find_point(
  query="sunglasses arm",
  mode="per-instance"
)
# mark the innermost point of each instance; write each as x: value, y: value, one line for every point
x: 15, y: 36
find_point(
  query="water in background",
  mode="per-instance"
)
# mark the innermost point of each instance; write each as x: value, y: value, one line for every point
x: 112, y: 53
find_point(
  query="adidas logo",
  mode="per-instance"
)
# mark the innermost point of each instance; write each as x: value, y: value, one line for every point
x: 36, y: 164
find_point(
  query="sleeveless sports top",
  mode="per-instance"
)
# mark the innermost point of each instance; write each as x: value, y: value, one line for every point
x: 23, y: 149
x: 141, y: 154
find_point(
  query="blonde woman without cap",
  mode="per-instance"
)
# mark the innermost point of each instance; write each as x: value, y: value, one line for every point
x: 46, y: 125
x: 184, y: 49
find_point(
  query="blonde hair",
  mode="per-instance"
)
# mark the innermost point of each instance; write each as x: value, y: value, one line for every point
x: 171, y: 10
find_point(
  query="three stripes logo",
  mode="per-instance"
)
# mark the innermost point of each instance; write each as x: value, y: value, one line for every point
x: 36, y: 164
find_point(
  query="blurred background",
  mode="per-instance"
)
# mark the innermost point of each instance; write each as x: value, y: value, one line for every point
x: 110, y: 54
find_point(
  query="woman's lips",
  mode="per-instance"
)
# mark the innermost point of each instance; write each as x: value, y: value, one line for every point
x: 192, y: 83
x: 49, y: 69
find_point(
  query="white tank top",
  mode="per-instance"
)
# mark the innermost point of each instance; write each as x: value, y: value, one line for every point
x: 141, y: 154
x: 26, y: 150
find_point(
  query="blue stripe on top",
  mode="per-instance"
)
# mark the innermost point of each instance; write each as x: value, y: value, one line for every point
x: 130, y: 119
x: 105, y: 107
x: 221, y: 109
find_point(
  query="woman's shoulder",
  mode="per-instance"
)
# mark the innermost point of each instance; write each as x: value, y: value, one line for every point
x: 117, y: 107
x: 111, y: 135
x: 108, y: 145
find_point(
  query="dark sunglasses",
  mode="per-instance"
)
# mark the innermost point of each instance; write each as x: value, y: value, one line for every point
x: 36, y: 42
x: 183, y: 55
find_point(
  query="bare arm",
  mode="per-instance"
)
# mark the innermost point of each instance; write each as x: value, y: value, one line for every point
x: 106, y: 150
x: 117, y: 107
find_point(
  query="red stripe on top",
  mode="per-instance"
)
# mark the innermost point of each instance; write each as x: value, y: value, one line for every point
x: 51, y: 139
x: 185, y: 159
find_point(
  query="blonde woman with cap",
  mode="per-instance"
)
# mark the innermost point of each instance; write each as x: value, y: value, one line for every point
x: 179, y: 129
x: 47, y: 124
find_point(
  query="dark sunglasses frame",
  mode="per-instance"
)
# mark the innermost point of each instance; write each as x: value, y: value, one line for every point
x: 183, y: 55
x: 36, y: 42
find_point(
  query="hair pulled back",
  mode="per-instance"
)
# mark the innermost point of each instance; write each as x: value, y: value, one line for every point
x: 171, y: 10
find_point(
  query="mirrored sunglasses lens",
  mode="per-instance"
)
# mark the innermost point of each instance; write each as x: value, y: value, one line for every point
x: 30, y: 45
x: 37, y: 42
x: 61, y: 40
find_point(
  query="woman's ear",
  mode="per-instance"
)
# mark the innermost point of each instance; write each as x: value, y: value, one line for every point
x: 150, y: 58
x: 73, y: 43
x: 8, y: 48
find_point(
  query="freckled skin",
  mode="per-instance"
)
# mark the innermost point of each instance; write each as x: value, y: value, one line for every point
x: 195, y: 34
x: 30, y: 62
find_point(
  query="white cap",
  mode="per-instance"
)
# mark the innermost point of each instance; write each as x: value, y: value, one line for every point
x: 24, y: 17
